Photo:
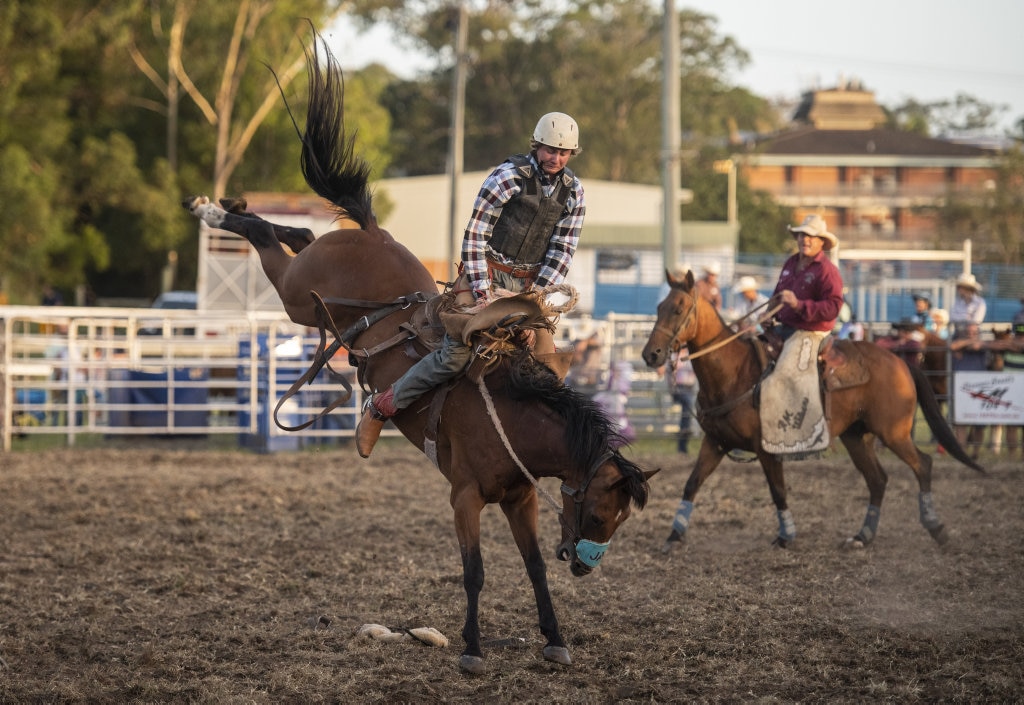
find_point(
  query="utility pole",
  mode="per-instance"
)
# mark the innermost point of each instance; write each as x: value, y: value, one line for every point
x: 670, y: 139
x: 455, y: 135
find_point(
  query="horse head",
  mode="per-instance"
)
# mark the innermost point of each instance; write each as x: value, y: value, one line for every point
x: 677, y: 320
x: 594, y: 508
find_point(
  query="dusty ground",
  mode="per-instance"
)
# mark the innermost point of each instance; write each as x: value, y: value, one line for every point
x: 152, y: 574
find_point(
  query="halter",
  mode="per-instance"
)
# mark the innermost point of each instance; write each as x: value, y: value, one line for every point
x: 673, y: 336
x: 589, y: 552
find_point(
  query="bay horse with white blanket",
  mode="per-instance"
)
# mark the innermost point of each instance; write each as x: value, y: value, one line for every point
x: 493, y: 436
x: 870, y: 394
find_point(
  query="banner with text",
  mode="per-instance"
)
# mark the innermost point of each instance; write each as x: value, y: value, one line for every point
x: 988, y: 398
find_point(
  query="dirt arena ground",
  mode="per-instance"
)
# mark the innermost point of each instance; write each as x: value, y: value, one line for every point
x: 152, y: 573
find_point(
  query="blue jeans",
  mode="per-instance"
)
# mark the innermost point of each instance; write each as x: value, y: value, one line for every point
x: 433, y: 370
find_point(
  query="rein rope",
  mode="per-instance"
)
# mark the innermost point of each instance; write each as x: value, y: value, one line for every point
x: 493, y: 413
x: 753, y: 326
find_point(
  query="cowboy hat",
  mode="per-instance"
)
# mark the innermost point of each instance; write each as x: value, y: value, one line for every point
x: 968, y: 282
x: 815, y: 226
x: 922, y: 296
x: 745, y: 284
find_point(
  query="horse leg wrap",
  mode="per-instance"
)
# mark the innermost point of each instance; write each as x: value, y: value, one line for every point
x: 787, y: 528
x: 929, y: 517
x: 870, y: 527
x: 681, y: 522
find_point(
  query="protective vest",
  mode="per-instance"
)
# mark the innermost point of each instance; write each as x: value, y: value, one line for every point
x: 524, y: 228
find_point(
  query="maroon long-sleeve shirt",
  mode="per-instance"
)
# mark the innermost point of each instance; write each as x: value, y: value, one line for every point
x: 819, y: 289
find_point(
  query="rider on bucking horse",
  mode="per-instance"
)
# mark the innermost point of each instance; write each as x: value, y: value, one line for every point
x: 523, y: 233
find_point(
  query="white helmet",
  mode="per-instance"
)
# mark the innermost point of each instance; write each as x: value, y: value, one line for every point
x: 557, y: 130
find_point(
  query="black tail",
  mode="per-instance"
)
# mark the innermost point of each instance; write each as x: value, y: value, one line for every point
x: 329, y: 163
x: 936, y: 422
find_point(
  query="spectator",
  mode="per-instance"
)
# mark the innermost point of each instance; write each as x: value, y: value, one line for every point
x: 615, y: 397
x: 682, y: 385
x: 52, y: 297
x: 970, y: 354
x: 922, y: 310
x: 968, y: 305
x: 940, y: 319
x: 752, y: 305
x: 1013, y: 361
x: 586, y: 370
x: 707, y: 285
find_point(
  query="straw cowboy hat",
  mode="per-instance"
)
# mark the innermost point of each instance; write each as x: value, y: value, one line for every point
x: 745, y: 284
x: 713, y: 268
x: 968, y: 282
x: 815, y: 225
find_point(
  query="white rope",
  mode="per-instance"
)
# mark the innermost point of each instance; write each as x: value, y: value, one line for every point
x: 508, y: 446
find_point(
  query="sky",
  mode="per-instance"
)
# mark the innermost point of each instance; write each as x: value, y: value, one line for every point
x: 928, y: 50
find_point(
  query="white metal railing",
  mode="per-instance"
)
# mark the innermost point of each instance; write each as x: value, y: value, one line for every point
x: 74, y: 371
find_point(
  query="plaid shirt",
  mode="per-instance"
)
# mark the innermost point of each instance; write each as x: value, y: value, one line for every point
x: 497, y: 190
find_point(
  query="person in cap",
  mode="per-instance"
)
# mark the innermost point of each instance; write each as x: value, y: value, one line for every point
x: 522, y: 234
x: 751, y: 304
x: 707, y: 285
x: 968, y: 305
x: 1013, y: 361
x: 922, y: 310
x: 810, y: 290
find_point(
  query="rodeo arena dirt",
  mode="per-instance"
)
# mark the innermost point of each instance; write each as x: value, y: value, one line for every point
x: 148, y: 572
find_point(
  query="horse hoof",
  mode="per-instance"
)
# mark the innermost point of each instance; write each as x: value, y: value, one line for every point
x: 674, y: 541
x: 940, y: 534
x: 558, y: 654
x: 472, y: 664
x: 854, y: 543
x: 780, y: 542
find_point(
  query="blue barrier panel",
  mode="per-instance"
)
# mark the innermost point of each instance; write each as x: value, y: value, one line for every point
x: 289, y: 369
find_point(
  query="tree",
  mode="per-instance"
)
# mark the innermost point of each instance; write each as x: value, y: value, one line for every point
x: 963, y: 114
x: 598, y: 61
x: 993, y: 217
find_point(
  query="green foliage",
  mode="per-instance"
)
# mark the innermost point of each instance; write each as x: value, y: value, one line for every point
x: 963, y: 114
x: 992, y: 217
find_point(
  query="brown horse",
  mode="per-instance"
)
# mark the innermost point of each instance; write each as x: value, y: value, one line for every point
x: 729, y: 378
x: 492, y: 440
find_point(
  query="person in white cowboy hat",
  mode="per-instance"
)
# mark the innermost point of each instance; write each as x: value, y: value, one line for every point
x: 707, y: 285
x: 523, y: 233
x: 968, y: 305
x: 810, y: 290
x: 750, y: 304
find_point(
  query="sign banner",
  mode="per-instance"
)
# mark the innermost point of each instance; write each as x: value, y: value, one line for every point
x: 988, y: 398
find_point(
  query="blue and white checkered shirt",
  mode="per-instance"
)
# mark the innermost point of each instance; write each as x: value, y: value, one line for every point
x: 497, y: 190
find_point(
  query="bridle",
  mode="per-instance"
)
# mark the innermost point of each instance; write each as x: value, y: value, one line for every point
x: 592, y: 551
x: 587, y: 551
x: 673, y: 336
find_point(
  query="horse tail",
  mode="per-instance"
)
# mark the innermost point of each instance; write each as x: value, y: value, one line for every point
x: 936, y: 422
x: 329, y: 163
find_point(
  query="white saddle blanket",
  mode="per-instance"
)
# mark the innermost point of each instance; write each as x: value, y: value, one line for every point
x: 792, y: 418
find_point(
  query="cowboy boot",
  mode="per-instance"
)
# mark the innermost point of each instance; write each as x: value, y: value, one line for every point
x: 377, y: 410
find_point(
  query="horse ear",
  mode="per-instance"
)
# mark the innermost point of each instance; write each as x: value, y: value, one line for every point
x: 648, y: 474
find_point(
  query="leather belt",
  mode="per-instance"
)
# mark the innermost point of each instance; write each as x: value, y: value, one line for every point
x: 517, y: 271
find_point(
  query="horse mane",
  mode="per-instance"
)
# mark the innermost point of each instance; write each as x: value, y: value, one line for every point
x: 589, y: 432
x: 341, y: 177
